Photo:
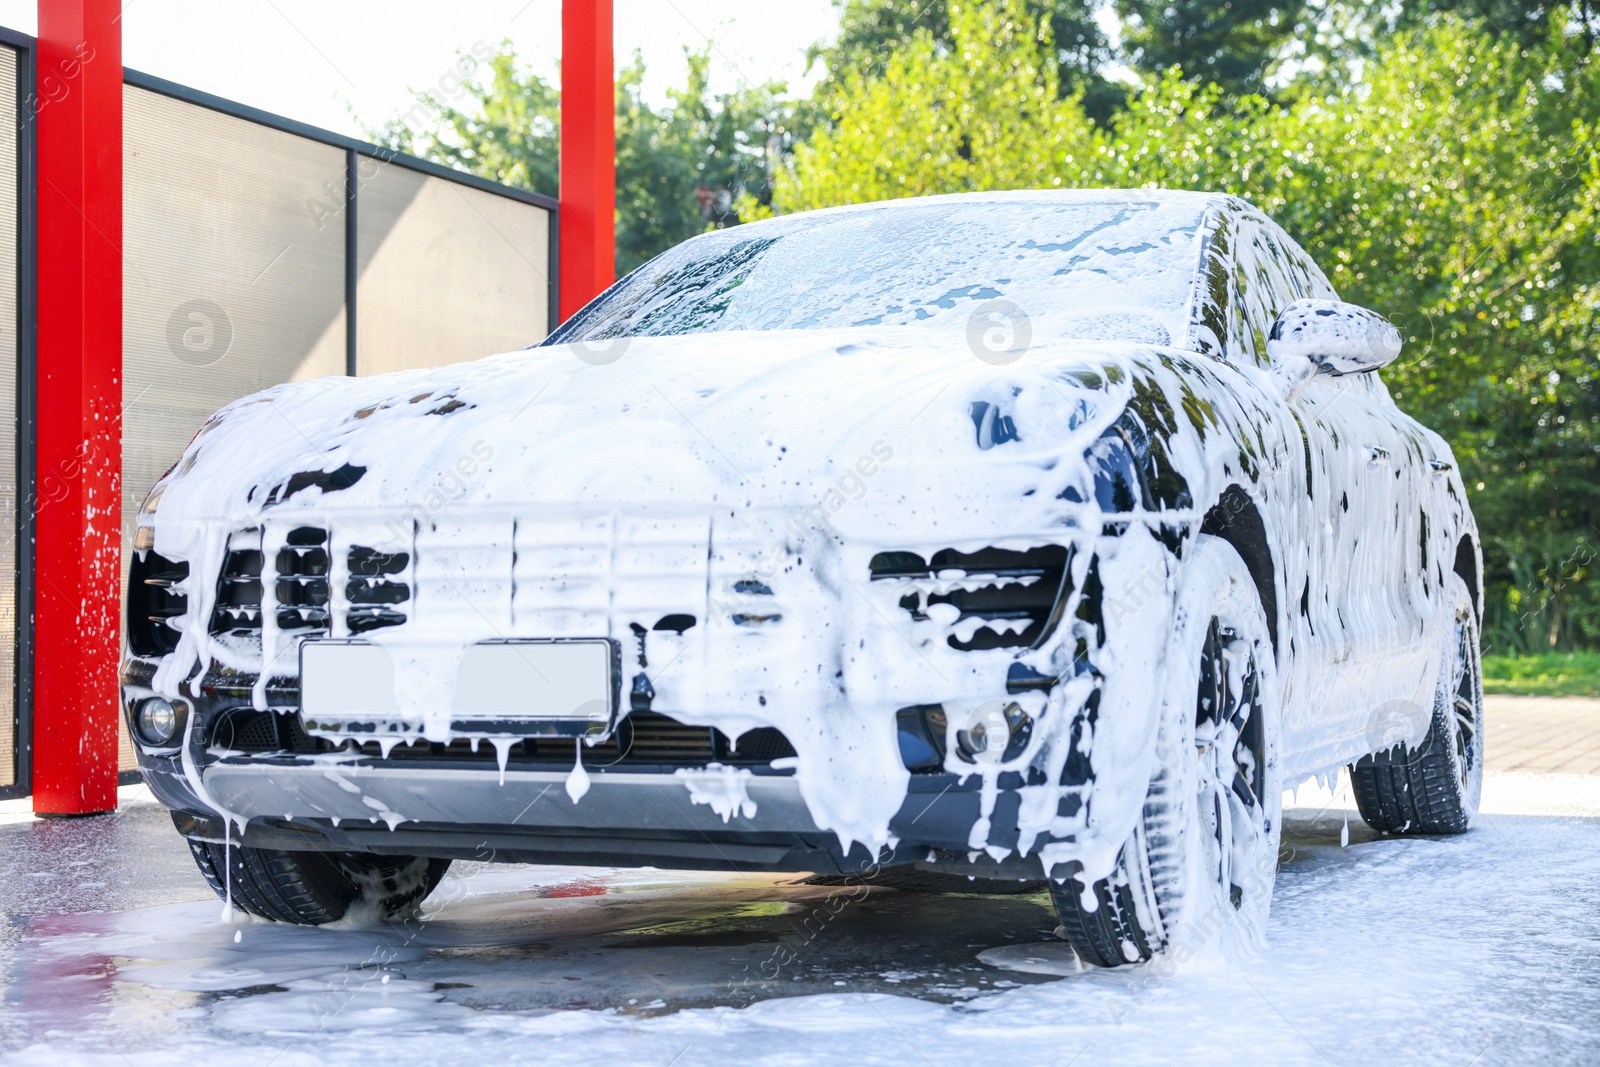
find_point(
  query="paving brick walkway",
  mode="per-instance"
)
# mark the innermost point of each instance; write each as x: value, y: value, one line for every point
x: 1545, y: 735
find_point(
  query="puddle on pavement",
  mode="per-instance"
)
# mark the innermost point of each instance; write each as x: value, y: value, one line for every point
x: 531, y: 940
x: 662, y: 951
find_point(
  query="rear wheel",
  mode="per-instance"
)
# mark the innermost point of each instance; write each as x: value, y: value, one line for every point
x: 312, y: 888
x: 1432, y: 787
x: 1203, y: 857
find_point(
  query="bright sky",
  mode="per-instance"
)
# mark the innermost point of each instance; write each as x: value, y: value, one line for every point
x: 316, y: 60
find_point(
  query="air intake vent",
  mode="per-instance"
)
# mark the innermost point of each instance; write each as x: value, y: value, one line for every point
x: 302, y: 587
x: 238, y: 608
x: 641, y: 739
x: 156, y: 606
x: 1006, y: 598
x: 259, y: 732
x: 376, y: 588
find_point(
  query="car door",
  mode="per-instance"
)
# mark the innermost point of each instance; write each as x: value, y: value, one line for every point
x: 1357, y: 599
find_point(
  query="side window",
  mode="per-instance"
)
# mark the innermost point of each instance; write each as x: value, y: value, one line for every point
x: 1304, y: 274
x: 1251, y: 271
x: 1270, y: 272
x: 1212, y: 327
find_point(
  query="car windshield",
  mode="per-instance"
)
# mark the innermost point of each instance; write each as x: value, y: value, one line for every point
x: 1113, y: 269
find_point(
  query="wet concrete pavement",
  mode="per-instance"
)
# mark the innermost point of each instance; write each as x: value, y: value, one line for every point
x: 111, y: 945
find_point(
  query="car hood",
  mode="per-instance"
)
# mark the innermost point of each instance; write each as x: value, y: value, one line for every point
x: 930, y: 426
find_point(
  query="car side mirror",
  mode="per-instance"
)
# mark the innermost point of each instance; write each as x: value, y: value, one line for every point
x: 1312, y: 337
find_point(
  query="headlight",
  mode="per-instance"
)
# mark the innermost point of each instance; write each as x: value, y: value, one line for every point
x: 1117, y: 487
x: 152, y: 499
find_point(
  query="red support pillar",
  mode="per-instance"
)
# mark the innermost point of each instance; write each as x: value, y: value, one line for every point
x: 78, y: 463
x: 588, y: 154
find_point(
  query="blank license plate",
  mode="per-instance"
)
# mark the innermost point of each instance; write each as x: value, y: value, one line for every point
x: 498, y: 683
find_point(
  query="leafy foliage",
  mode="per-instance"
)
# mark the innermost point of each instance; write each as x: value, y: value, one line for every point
x: 1232, y: 45
x: 981, y: 112
x: 1529, y: 21
x: 871, y: 31
x: 508, y: 129
x: 726, y: 141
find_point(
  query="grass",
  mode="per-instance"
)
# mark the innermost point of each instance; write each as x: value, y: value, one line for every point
x: 1545, y: 674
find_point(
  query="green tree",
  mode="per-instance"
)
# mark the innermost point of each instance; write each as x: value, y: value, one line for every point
x: 871, y: 31
x: 505, y: 125
x: 1233, y: 45
x: 1342, y: 34
x: 979, y: 110
x: 730, y: 141
x: 1530, y: 22
x: 1456, y: 188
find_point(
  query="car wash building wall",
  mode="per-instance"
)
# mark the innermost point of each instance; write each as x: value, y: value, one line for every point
x: 14, y: 71
x: 255, y: 250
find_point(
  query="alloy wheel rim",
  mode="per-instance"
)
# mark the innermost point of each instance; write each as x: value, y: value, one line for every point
x: 1465, y: 697
x: 1230, y: 754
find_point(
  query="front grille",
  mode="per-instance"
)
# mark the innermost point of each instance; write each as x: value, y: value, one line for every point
x: 374, y: 591
x: 301, y: 588
x: 1005, y: 598
x: 643, y: 738
x: 238, y: 607
x: 647, y: 737
x: 156, y: 606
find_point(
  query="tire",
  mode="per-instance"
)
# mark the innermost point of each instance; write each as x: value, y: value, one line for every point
x: 1201, y: 861
x: 1433, y: 786
x: 313, y: 888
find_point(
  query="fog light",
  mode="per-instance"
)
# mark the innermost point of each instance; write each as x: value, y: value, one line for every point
x: 996, y: 731
x: 157, y: 721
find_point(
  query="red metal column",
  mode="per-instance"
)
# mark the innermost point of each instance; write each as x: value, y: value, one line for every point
x: 588, y: 153
x: 78, y: 514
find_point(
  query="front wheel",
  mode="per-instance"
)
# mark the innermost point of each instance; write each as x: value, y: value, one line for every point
x: 1203, y: 857
x: 1432, y: 787
x: 312, y: 888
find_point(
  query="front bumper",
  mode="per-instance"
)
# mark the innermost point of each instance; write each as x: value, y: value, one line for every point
x: 847, y: 623
x: 625, y: 819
